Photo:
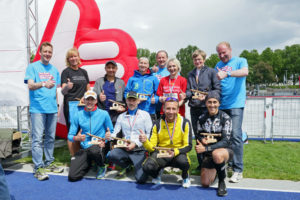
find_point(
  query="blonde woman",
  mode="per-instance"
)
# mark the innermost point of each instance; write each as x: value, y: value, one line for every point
x: 74, y: 83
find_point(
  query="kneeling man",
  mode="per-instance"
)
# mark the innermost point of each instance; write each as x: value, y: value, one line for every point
x: 173, y: 134
x: 94, y: 121
x: 128, y: 126
x: 214, y: 130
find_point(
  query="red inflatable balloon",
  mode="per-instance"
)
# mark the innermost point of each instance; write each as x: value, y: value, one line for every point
x: 75, y: 23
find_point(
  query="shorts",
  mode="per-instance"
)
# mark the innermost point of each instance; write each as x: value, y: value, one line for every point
x: 208, y: 159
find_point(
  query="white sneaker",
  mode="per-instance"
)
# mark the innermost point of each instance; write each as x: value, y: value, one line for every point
x: 157, y: 180
x: 186, y: 183
x: 236, y: 177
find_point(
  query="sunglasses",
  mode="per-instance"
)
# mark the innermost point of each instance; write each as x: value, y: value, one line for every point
x: 171, y: 99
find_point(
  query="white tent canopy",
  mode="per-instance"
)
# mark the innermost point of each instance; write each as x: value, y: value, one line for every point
x: 13, y: 53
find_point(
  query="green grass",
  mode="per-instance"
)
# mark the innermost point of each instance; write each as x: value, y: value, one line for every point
x: 61, y: 155
x: 280, y: 160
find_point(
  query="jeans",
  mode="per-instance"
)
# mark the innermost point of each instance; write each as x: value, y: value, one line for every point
x: 236, y: 115
x: 4, y: 193
x: 43, y: 123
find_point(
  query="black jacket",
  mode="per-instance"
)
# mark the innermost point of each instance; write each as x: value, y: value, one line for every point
x: 207, y: 81
x: 219, y: 123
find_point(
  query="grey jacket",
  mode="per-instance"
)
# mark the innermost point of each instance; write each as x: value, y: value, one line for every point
x: 207, y: 81
x: 119, y: 86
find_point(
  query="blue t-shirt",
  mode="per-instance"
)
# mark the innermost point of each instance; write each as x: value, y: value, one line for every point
x: 42, y: 100
x: 110, y: 93
x: 233, y: 89
x: 162, y: 72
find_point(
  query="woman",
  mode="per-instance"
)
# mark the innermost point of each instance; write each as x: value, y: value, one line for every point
x: 201, y: 78
x: 173, y: 85
x: 215, y: 127
x: 74, y: 83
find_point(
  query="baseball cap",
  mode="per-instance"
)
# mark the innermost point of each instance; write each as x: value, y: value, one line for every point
x: 90, y: 93
x: 132, y: 94
x: 111, y: 62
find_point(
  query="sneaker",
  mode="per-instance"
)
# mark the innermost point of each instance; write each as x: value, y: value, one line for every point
x: 101, y: 172
x: 157, y: 180
x: 236, y: 177
x: 53, y: 168
x: 186, y: 183
x: 111, y: 167
x: 222, y: 191
x: 41, y: 174
x: 121, y: 174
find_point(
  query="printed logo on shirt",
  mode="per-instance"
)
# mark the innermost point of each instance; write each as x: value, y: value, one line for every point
x: 47, y: 76
x: 135, y: 86
x: 227, y: 68
x: 158, y: 76
x: 78, y: 78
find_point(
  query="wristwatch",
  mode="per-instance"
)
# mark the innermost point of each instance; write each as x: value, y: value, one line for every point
x: 43, y: 84
x: 228, y: 74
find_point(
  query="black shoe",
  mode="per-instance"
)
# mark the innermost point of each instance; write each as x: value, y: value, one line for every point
x: 222, y: 191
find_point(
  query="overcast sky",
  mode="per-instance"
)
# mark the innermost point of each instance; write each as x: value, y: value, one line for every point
x: 174, y: 24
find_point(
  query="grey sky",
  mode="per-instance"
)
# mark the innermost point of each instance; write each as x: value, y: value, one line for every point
x: 174, y: 24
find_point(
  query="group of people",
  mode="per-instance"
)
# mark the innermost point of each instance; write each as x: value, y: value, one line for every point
x: 147, y: 114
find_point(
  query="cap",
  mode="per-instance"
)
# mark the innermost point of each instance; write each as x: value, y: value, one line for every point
x: 132, y: 94
x: 90, y: 93
x: 212, y: 94
x: 111, y: 62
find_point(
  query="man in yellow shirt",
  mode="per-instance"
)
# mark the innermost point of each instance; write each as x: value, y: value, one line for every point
x: 171, y: 131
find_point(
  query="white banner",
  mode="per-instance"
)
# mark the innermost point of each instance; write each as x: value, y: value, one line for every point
x: 13, y: 53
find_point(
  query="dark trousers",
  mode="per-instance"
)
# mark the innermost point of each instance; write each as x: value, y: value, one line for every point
x: 195, y: 114
x: 66, y: 114
x: 125, y: 158
x: 81, y: 162
x: 153, y: 165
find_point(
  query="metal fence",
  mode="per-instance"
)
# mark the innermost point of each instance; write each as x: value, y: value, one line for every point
x: 254, y: 117
x: 264, y: 117
x: 285, y: 117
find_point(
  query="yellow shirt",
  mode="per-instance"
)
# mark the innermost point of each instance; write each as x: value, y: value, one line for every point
x: 182, y: 139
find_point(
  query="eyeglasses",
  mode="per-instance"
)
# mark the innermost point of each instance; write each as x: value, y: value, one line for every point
x: 171, y: 99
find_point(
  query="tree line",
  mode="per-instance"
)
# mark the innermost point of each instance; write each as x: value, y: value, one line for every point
x: 269, y: 67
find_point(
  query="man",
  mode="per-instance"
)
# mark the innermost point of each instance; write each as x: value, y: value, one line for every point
x: 93, y: 121
x: 145, y: 84
x: 171, y: 131
x: 160, y: 70
x: 215, y: 152
x: 42, y: 79
x: 128, y: 126
x: 232, y: 72
x: 108, y: 88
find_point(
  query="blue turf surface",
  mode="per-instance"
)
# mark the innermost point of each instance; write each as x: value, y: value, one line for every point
x: 24, y: 186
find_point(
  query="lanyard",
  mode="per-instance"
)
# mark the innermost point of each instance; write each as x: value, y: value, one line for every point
x: 171, y: 88
x: 134, y: 120
x: 171, y: 136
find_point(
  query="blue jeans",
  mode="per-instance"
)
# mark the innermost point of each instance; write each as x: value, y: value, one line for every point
x: 236, y: 115
x: 4, y: 193
x: 43, y: 123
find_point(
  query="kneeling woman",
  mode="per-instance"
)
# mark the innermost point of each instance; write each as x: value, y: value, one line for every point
x: 214, y: 143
